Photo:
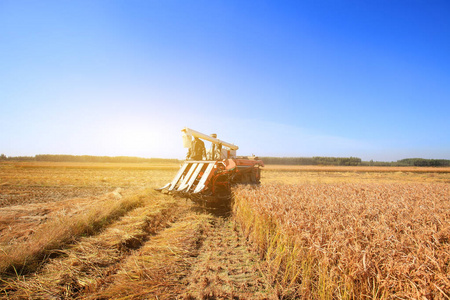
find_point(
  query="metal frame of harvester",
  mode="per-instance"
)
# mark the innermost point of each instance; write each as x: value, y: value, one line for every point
x: 210, y: 181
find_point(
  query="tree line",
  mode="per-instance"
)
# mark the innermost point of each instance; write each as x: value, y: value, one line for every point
x: 421, y: 162
x: 87, y: 158
x: 313, y: 161
x: 355, y: 161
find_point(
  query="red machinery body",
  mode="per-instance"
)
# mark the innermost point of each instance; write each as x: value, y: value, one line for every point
x: 211, y: 181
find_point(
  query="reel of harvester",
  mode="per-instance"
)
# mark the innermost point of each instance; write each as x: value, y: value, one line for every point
x: 206, y: 177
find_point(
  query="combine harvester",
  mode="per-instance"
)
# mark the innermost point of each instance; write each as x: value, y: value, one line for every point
x: 206, y: 177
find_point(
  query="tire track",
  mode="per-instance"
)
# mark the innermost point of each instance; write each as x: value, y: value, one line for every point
x: 225, y: 268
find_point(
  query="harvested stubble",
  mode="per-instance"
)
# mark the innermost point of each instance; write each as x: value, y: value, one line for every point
x: 17, y: 195
x: 82, y: 268
x: 22, y: 183
x: 351, y: 240
x: 63, y: 229
x: 156, y: 270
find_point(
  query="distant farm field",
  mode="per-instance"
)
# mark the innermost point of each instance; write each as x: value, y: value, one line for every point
x: 100, y: 231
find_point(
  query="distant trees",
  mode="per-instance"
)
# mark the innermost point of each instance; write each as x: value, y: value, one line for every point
x: 90, y: 158
x: 337, y: 161
x: 421, y: 162
x: 288, y: 160
x: 108, y: 159
x: 410, y: 162
x: 354, y: 161
x: 316, y: 160
x: 313, y: 161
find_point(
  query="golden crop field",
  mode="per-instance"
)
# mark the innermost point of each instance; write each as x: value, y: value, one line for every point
x: 351, y: 240
x: 100, y: 231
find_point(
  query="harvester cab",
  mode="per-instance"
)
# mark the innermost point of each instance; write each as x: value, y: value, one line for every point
x: 208, y: 175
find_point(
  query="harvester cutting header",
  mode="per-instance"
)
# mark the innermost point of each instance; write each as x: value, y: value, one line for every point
x: 207, y: 175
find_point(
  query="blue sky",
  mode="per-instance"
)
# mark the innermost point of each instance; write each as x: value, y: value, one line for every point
x: 369, y: 79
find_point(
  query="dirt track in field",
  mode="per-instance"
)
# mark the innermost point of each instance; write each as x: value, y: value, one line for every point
x: 225, y: 268
x: 166, y: 249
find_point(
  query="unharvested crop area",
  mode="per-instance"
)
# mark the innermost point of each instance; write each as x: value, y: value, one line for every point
x: 351, y: 240
x: 100, y: 231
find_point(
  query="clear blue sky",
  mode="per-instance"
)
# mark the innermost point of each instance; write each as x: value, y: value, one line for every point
x: 369, y: 79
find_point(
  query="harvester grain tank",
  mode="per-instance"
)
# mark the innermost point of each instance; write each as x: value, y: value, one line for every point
x: 209, y: 179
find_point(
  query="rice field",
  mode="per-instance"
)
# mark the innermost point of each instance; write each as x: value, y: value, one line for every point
x: 351, y: 240
x: 100, y: 231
